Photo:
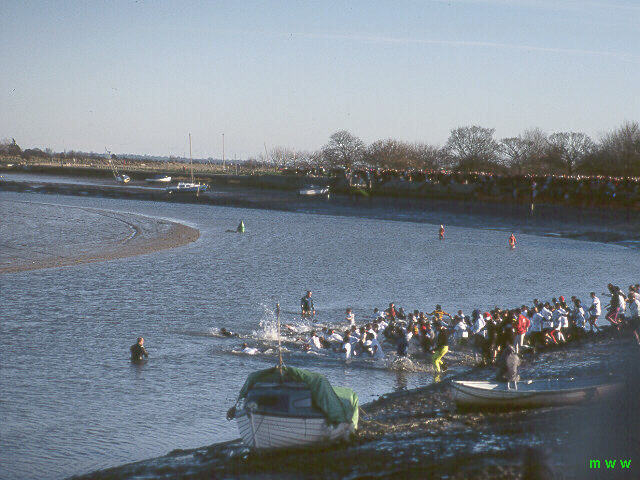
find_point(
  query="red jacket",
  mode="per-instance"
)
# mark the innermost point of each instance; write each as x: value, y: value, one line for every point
x: 522, y: 325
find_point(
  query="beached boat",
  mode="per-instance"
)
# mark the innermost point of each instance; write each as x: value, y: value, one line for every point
x: 531, y: 393
x: 158, y: 179
x: 313, y: 190
x: 188, y: 187
x: 119, y: 177
x: 291, y: 407
x: 296, y: 408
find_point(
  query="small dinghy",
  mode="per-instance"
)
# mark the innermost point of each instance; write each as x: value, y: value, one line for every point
x: 290, y: 407
x: 313, y: 190
x: 294, y: 409
x: 531, y: 393
x: 159, y: 179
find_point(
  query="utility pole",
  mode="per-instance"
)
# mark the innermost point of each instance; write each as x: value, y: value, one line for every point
x: 223, y: 163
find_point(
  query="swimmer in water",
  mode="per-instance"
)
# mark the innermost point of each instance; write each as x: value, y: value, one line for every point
x: 512, y: 241
x: 246, y: 349
x: 441, y: 232
x: 138, y: 352
x: 227, y: 333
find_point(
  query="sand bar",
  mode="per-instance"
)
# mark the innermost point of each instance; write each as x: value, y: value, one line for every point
x: 46, y: 235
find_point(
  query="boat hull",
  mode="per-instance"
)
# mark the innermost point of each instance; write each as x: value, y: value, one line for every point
x: 313, y: 191
x: 260, y: 430
x: 161, y: 180
x: 528, y: 395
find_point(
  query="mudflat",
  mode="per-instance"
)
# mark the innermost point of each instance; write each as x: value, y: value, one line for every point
x: 47, y: 235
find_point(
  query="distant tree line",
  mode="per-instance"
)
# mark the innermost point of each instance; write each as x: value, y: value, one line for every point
x: 475, y: 149
x: 468, y: 149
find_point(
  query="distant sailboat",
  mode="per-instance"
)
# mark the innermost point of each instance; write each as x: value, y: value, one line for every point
x: 188, y: 187
x: 120, y: 177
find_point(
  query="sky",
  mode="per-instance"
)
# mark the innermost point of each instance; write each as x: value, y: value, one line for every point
x: 139, y: 76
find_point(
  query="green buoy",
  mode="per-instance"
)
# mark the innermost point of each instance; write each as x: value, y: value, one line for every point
x: 240, y: 228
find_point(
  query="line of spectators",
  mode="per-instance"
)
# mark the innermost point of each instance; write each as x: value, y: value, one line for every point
x: 579, y: 189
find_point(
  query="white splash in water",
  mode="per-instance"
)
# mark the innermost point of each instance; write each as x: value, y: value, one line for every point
x: 405, y: 364
x: 268, y: 326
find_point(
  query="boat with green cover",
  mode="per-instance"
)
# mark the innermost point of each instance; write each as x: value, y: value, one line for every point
x: 286, y: 406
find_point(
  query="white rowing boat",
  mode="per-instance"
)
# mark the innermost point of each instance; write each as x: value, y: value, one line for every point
x: 531, y: 393
x: 283, y: 415
x: 290, y: 407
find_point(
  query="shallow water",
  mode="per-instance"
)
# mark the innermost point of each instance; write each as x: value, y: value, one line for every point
x: 71, y: 402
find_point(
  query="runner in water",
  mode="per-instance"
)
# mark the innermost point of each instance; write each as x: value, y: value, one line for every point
x: 512, y: 241
x: 441, y: 232
x: 306, y: 306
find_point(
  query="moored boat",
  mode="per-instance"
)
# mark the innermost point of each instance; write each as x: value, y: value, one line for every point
x: 531, y: 393
x: 187, y: 187
x: 313, y: 190
x: 159, y: 179
x: 122, y: 178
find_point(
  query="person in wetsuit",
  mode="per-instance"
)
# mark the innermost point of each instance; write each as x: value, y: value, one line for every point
x: 306, y: 306
x: 138, y: 352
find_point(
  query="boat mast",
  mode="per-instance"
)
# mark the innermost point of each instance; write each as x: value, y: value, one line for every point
x: 190, y: 160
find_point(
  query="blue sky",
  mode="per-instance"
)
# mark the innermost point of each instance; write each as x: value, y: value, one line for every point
x: 137, y: 76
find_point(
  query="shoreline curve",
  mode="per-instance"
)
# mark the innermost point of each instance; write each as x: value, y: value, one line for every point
x: 134, y: 235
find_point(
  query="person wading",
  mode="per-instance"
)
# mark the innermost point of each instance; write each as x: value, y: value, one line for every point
x: 306, y: 306
x: 138, y: 352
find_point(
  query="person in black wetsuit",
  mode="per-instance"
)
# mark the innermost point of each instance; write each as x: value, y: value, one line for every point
x: 491, y: 343
x: 306, y: 306
x: 138, y: 352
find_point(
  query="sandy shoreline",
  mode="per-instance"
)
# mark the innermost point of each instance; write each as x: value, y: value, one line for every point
x: 39, y: 235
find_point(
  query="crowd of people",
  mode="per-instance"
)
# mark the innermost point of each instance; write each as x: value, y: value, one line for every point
x: 580, y: 189
x: 492, y: 335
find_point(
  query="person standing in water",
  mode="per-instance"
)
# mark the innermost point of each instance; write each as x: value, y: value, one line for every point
x: 512, y: 241
x: 138, y: 352
x: 441, y: 232
x: 306, y: 306
x: 442, y: 347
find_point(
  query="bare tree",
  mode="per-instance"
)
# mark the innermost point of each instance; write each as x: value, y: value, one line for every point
x: 619, y: 151
x: 388, y: 153
x: 343, y: 149
x: 281, y: 157
x: 472, y: 148
x: 425, y: 156
x: 572, y: 148
x: 516, y: 152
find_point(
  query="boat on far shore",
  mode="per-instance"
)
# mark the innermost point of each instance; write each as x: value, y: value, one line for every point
x: 313, y: 190
x: 158, y: 179
x: 532, y: 393
x: 187, y: 187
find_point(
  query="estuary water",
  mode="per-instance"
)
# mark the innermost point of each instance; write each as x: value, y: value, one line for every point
x: 71, y: 402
